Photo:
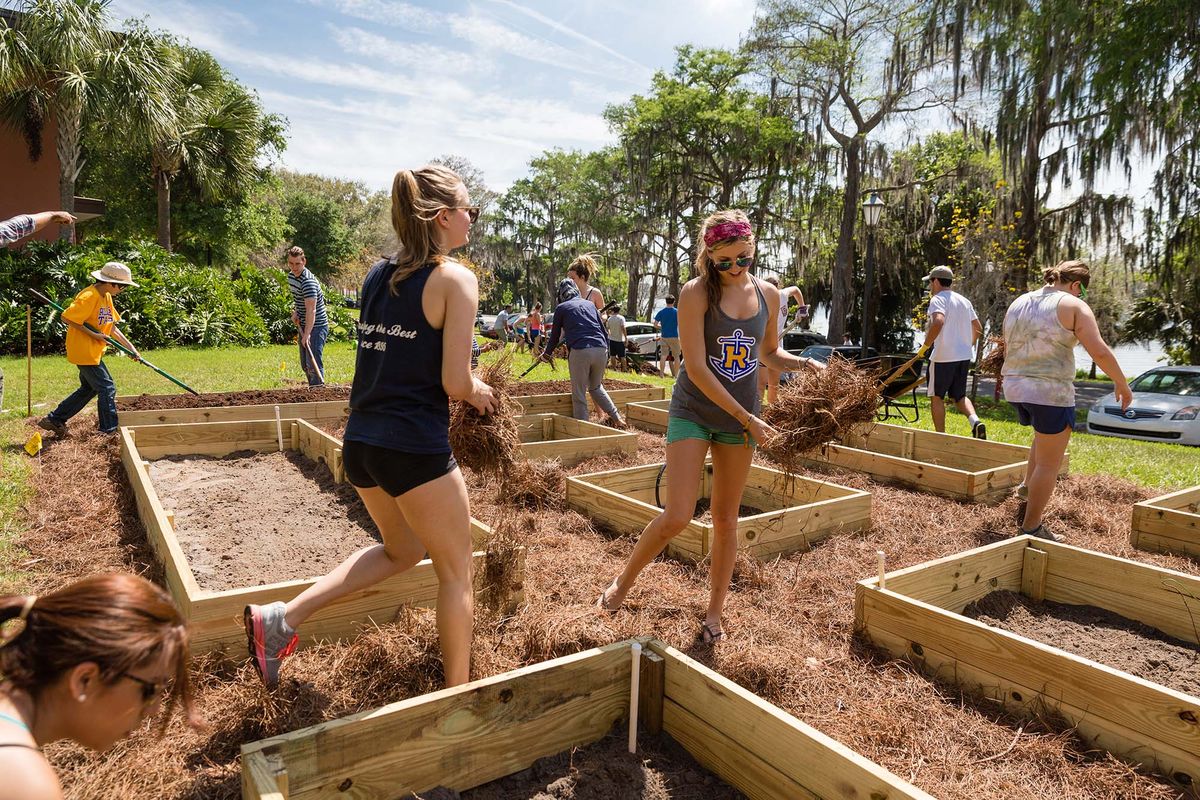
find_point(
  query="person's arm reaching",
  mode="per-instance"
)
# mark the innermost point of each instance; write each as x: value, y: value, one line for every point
x: 1088, y: 333
x: 461, y: 293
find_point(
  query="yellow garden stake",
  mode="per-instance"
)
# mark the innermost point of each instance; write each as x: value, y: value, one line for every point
x: 34, y: 445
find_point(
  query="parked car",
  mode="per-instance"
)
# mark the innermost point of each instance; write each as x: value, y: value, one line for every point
x: 484, y: 323
x: 641, y: 338
x: 1165, y: 408
x: 824, y: 352
x: 795, y: 342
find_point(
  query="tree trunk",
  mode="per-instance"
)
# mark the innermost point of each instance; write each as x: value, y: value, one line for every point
x: 1092, y: 372
x: 69, y: 147
x: 162, y: 182
x: 1031, y: 170
x: 843, y: 261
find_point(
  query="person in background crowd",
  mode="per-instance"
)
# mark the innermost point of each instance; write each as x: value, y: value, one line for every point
x: 667, y: 322
x: 535, y: 328
x: 953, y: 331
x: 580, y: 272
x: 503, y: 325
x: 577, y: 322
x: 615, y: 326
x: 309, y: 315
x: 1041, y: 329
x: 770, y: 377
x: 86, y: 663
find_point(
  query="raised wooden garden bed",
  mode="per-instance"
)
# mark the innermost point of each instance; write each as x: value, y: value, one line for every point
x: 215, y: 616
x: 958, y: 467
x: 570, y: 440
x: 339, y: 409
x: 464, y: 737
x: 917, y: 616
x: 650, y: 415
x: 796, y: 511
x: 1169, y: 524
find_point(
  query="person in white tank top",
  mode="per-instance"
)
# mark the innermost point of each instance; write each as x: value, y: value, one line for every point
x: 1041, y: 328
x: 768, y: 378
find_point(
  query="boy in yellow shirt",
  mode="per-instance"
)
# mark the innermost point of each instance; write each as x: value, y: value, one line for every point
x: 85, y: 348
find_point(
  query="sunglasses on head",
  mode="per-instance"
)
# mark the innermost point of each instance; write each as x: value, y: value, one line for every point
x: 745, y: 262
x: 472, y: 211
x: 151, y: 690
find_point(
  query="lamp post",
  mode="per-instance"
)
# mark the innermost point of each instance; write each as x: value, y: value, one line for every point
x: 872, y: 211
x: 527, y: 252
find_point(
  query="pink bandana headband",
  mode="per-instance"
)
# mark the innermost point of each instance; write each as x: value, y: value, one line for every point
x: 727, y: 230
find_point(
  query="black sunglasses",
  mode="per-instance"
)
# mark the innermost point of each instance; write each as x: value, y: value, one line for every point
x: 151, y: 690
x: 745, y: 262
x: 472, y: 211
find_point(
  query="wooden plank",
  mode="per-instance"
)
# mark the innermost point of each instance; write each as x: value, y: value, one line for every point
x: 570, y: 451
x: 754, y: 734
x: 1182, y: 500
x: 1161, y: 598
x: 891, y: 468
x: 1033, y: 574
x: 1130, y: 717
x: 956, y: 580
x: 1159, y: 713
x: 651, y: 679
x: 461, y: 737
x: 214, y: 449
x: 561, y: 403
x: 650, y: 416
x: 160, y: 534
x: 261, y: 780
x: 323, y: 409
x: 1165, y: 524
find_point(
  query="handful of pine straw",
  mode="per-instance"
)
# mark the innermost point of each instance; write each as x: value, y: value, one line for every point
x: 993, y: 360
x: 488, y: 443
x: 536, y: 485
x: 817, y: 407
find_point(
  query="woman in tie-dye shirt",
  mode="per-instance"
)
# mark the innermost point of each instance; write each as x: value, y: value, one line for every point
x: 1041, y: 329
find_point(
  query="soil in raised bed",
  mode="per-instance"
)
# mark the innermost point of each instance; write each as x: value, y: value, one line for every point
x: 790, y: 622
x: 1098, y: 634
x: 704, y: 511
x: 250, y: 519
x: 312, y: 394
x: 660, y: 770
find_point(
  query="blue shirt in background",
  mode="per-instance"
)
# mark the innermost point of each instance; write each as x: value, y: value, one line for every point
x: 578, y: 323
x: 669, y: 319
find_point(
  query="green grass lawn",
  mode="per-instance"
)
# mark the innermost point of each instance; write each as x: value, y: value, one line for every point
x: 1151, y: 464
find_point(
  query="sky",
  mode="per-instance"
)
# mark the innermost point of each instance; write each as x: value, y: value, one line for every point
x: 373, y: 86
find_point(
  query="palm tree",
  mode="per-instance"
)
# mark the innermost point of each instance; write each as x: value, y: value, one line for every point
x: 216, y: 139
x: 61, y: 61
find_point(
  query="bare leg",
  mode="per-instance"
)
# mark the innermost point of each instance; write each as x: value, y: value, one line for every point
x: 433, y: 517
x: 1040, y: 476
x: 937, y: 410
x: 731, y: 466
x: 685, y: 459
x: 965, y: 407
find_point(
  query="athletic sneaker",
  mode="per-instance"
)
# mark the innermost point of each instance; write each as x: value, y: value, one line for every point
x: 269, y: 639
x: 54, y: 426
x: 1042, y: 532
x: 979, y: 431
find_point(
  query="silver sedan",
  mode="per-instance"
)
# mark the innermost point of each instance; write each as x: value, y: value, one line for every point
x: 1165, y: 408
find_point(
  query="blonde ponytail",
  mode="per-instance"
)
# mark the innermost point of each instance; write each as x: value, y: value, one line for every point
x: 417, y: 198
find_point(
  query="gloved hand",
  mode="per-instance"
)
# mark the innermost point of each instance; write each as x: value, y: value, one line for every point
x: 923, y: 352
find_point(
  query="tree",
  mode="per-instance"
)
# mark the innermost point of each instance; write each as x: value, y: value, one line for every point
x: 61, y: 61
x: 319, y: 227
x: 219, y: 134
x: 852, y: 65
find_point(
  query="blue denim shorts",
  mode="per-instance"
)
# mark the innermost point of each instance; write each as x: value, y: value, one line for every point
x: 1045, y: 419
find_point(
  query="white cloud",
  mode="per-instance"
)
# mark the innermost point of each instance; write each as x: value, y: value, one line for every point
x: 420, y: 57
x: 387, y: 12
x: 574, y: 34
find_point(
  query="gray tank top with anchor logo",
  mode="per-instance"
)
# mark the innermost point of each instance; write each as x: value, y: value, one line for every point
x: 731, y: 353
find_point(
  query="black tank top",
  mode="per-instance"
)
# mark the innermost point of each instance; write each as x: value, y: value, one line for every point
x: 397, y: 400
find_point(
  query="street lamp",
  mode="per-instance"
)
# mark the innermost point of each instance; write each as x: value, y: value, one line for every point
x: 528, y: 253
x: 872, y: 211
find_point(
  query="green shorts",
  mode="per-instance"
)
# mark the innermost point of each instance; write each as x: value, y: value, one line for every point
x: 679, y: 428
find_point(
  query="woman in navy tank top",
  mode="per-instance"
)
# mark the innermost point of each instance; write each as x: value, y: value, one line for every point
x: 415, y: 331
x: 727, y: 326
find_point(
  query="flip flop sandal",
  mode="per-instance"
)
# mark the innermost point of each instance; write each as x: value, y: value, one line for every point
x: 709, y: 636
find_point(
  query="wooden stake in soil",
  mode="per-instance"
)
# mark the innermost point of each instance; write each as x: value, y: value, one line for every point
x: 882, y: 570
x: 28, y: 361
x: 636, y: 651
x: 278, y: 429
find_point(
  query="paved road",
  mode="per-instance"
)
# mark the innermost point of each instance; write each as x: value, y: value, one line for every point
x: 1086, y: 392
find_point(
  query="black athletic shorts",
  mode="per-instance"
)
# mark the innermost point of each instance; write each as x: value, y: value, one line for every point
x: 396, y: 472
x: 616, y: 349
x: 948, y: 378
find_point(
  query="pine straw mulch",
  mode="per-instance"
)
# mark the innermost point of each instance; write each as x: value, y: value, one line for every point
x: 993, y: 360
x: 790, y: 621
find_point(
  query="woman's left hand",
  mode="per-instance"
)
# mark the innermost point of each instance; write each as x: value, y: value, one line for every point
x: 760, y: 430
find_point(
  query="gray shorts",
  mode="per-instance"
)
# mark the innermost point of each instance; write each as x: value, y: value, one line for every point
x: 671, y: 346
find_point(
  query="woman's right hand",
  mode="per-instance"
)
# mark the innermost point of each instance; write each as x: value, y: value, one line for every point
x: 760, y: 430
x: 482, y: 397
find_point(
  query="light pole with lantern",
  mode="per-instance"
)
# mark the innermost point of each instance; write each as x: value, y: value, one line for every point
x: 528, y: 253
x: 872, y: 211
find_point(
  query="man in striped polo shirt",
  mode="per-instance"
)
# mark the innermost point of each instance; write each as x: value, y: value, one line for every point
x: 308, y: 313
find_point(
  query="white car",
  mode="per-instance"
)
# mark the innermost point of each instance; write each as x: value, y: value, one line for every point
x: 1165, y: 408
x: 641, y: 338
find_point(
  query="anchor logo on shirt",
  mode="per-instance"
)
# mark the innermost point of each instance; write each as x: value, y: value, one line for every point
x: 734, y: 362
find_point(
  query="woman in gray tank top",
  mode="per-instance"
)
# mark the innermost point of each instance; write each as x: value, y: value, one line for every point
x: 728, y: 328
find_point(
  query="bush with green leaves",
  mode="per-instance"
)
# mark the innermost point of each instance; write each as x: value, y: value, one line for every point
x: 175, y: 302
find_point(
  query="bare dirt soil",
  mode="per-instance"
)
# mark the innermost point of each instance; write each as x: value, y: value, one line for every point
x: 311, y: 394
x: 1097, y: 634
x: 250, y: 519
x: 790, y: 625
